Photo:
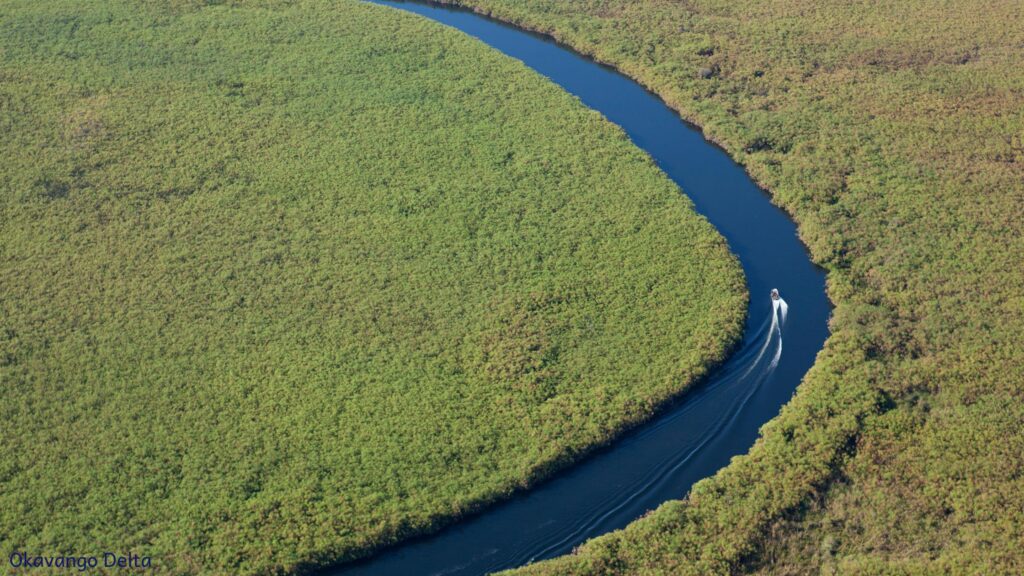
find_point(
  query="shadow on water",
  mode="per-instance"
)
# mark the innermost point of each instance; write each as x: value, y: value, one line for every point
x: 716, y: 420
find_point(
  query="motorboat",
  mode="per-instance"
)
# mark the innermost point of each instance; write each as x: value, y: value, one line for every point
x: 775, y: 294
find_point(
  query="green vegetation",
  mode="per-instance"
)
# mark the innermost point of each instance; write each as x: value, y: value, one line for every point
x: 894, y: 132
x: 282, y: 282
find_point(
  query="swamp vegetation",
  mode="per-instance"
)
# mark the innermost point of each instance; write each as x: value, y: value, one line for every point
x: 284, y: 282
x: 893, y: 132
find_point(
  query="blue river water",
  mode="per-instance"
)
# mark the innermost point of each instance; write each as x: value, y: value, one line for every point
x: 716, y: 420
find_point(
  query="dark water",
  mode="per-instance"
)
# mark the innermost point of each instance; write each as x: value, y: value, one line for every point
x: 717, y: 420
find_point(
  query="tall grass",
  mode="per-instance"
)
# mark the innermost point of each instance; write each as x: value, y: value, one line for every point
x: 892, y: 131
x: 283, y: 282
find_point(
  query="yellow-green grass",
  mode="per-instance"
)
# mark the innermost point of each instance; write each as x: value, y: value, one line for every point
x: 283, y: 282
x: 893, y: 131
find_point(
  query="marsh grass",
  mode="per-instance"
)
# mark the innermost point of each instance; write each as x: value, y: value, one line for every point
x: 892, y: 131
x: 283, y: 282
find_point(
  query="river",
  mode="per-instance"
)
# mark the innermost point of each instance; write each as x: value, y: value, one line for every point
x: 711, y: 423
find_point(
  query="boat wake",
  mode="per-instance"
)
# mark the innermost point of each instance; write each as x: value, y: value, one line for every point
x: 719, y: 402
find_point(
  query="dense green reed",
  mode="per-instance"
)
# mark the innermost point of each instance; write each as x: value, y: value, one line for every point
x: 894, y: 132
x: 282, y: 282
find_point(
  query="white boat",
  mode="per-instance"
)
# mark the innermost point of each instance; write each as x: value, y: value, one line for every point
x: 775, y: 294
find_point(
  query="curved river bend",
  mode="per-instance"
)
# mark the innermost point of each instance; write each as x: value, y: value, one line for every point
x: 713, y: 422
